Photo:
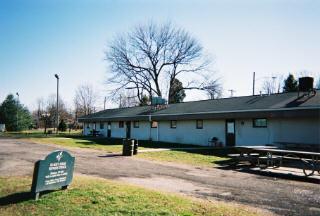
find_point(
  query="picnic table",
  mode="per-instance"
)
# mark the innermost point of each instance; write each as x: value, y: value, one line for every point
x: 273, y: 156
x: 95, y: 133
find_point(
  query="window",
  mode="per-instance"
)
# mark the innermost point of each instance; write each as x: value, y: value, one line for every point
x: 173, y: 124
x: 101, y: 126
x: 136, y: 124
x: 88, y: 126
x: 199, y: 124
x: 154, y: 124
x: 121, y: 124
x: 260, y: 123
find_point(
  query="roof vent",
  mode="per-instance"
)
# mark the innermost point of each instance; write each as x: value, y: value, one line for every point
x: 158, y: 103
x: 306, y: 84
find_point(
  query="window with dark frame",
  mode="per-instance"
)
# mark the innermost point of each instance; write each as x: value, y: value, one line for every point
x: 121, y: 124
x: 136, y: 124
x: 154, y: 124
x: 199, y: 124
x: 101, y: 126
x: 260, y: 123
x: 173, y: 124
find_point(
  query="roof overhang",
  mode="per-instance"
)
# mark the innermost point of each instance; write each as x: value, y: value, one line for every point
x: 268, y: 113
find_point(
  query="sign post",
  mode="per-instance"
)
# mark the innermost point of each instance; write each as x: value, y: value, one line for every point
x: 54, y: 172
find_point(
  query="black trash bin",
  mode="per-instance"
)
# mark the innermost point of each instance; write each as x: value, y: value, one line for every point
x: 127, y: 148
x: 135, y: 147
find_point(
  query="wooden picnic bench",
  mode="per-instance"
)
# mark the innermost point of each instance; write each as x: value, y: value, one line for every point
x: 274, y: 157
x: 95, y: 133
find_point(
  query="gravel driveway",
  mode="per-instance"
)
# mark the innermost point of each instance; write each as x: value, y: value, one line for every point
x: 281, y: 196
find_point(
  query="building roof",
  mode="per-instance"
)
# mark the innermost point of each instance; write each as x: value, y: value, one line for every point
x: 275, y: 105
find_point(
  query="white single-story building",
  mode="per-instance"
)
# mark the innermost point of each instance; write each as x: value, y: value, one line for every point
x: 2, y: 127
x: 236, y: 121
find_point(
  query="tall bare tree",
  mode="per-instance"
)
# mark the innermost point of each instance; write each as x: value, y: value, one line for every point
x: 272, y: 85
x: 213, y: 89
x: 151, y: 57
x: 85, y: 100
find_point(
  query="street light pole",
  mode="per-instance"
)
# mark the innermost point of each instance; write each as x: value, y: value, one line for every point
x: 57, y: 114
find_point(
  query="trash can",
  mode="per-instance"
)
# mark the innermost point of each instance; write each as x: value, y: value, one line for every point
x: 127, y: 148
x: 135, y: 147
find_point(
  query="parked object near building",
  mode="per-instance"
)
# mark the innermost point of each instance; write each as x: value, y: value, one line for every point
x: 238, y: 121
x: 127, y: 147
x: 2, y: 127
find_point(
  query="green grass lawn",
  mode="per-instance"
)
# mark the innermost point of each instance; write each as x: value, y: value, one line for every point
x: 184, y: 157
x: 195, y: 157
x: 109, y: 146
x: 93, y: 196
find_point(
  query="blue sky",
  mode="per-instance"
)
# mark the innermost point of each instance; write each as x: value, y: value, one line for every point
x: 41, y: 38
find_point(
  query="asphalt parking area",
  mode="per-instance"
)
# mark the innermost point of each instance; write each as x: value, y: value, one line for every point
x: 285, y: 196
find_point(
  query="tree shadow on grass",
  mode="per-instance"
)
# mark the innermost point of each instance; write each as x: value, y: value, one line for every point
x: 20, y: 197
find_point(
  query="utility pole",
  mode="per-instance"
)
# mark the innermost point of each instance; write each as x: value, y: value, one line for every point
x: 17, y: 111
x: 254, y: 82
x: 57, y: 115
x: 231, y: 92
x: 104, y: 103
x: 273, y: 84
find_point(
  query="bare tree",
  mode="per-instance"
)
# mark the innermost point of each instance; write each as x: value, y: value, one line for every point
x: 51, y: 109
x: 213, y: 89
x: 84, y: 100
x: 37, y: 114
x: 150, y: 57
x: 272, y: 85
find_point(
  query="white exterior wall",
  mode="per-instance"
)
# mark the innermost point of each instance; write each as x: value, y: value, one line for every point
x: 247, y: 135
x: 186, y: 132
x: 142, y: 132
x: 117, y: 132
x: 300, y: 130
x: 2, y: 127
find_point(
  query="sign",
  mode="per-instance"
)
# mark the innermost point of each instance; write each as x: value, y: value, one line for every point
x: 54, y: 172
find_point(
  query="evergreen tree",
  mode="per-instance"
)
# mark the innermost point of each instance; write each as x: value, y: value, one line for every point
x: 145, y: 100
x: 62, y: 126
x: 176, y: 92
x: 290, y: 84
x: 14, y: 115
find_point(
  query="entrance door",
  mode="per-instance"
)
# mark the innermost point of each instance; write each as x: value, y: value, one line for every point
x: 128, y: 129
x: 109, y: 130
x: 230, y: 132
